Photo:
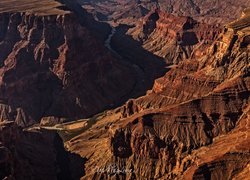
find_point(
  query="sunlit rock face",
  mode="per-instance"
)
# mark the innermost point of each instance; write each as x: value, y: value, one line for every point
x: 172, y: 37
x: 193, y: 124
x: 53, y: 68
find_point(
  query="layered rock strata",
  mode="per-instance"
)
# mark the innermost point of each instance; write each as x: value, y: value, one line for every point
x: 174, y: 38
x: 53, y: 65
x: 192, y: 125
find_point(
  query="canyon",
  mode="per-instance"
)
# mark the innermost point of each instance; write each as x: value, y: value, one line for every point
x: 124, y: 89
x: 128, y: 11
x: 187, y: 126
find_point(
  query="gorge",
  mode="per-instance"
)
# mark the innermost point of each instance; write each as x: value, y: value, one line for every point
x: 124, y: 89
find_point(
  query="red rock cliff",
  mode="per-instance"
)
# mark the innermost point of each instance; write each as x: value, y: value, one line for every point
x: 51, y: 65
x: 194, y: 126
x: 174, y: 38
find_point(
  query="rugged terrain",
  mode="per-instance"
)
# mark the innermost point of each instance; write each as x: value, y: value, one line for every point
x: 36, y: 155
x: 163, y: 94
x: 172, y: 37
x: 54, y: 68
x: 53, y: 65
x: 193, y: 124
x: 128, y: 11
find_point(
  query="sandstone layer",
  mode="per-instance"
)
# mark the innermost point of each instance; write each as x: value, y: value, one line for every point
x: 53, y: 68
x: 193, y: 124
x: 57, y: 80
x: 173, y: 38
x: 128, y: 11
x: 53, y: 65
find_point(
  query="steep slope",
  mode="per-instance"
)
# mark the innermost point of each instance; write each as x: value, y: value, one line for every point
x: 174, y: 38
x: 35, y: 155
x: 52, y: 65
x: 193, y: 124
x: 181, y: 128
x: 232, y: 161
x: 207, y: 11
x: 53, y: 68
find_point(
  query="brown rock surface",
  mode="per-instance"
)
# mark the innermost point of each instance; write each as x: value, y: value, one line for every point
x: 41, y: 7
x: 36, y: 155
x: 192, y: 125
x: 174, y: 38
x: 126, y: 11
x: 51, y: 65
x: 54, y: 68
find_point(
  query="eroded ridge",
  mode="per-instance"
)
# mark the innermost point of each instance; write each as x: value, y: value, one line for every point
x: 180, y: 128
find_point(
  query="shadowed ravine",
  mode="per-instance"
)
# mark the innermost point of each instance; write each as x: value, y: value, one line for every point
x: 124, y: 90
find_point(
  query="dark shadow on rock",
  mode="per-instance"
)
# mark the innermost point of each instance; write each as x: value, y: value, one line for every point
x: 41, y: 93
x: 70, y: 166
x: 150, y: 66
x: 189, y: 39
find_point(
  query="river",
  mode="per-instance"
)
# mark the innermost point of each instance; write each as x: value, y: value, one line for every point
x: 140, y: 75
x: 108, y: 41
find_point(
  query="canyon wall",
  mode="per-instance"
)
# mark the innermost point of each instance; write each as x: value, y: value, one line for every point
x: 193, y: 124
x: 52, y: 65
x: 54, y: 68
x: 36, y: 155
x: 172, y: 37
x: 129, y: 11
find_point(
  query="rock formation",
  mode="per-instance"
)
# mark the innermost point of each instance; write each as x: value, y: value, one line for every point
x: 36, y: 155
x: 128, y: 11
x: 57, y: 80
x: 54, y: 68
x: 53, y: 65
x: 192, y: 125
x: 173, y: 38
